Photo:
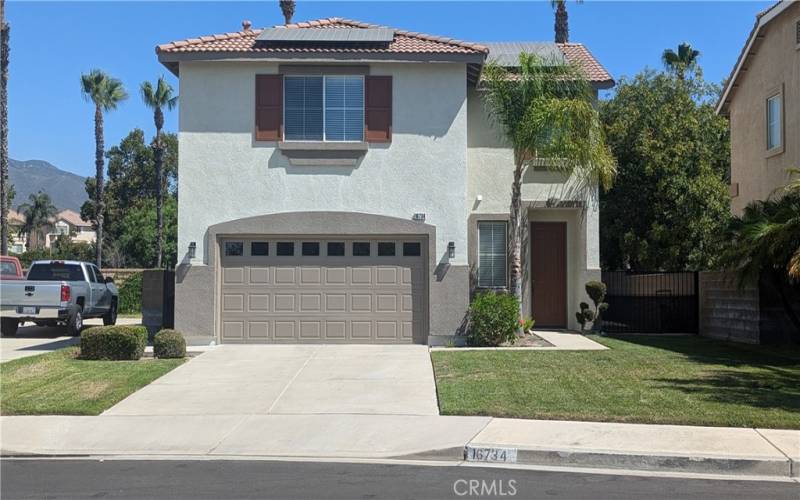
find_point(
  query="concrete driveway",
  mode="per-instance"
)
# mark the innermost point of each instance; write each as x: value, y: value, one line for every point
x: 31, y: 339
x: 293, y: 380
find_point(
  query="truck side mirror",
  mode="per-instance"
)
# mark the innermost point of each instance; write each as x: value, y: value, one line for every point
x: 109, y: 279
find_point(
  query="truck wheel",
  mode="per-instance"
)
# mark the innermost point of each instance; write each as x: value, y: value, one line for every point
x: 8, y: 327
x: 75, y: 322
x: 110, y: 318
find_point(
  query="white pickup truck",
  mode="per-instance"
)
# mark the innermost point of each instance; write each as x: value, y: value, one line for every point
x: 58, y: 292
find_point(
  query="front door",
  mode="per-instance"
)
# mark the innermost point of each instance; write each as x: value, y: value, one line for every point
x: 549, y: 273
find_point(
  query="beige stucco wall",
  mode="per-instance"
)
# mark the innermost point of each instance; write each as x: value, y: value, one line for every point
x: 776, y: 65
x: 490, y: 171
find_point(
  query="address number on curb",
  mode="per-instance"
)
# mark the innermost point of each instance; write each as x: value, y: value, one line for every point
x: 501, y: 455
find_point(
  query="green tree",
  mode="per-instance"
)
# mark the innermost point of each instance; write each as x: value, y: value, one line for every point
x: 5, y: 38
x: 38, y: 212
x: 105, y: 93
x: 670, y: 201
x: 138, y: 233
x: 562, y: 20
x: 156, y: 98
x: 287, y: 9
x: 679, y: 63
x: 546, y: 111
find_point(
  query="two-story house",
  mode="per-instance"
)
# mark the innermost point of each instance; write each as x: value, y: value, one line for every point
x: 762, y: 99
x: 342, y: 182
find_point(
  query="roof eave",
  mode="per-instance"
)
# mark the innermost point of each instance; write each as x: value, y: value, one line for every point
x: 762, y: 19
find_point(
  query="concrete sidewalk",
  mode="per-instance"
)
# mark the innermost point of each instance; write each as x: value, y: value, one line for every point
x: 684, y: 449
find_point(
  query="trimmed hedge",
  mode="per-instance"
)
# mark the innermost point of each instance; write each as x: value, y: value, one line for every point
x: 169, y: 344
x: 130, y: 295
x: 493, y: 319
x: 119, y: 342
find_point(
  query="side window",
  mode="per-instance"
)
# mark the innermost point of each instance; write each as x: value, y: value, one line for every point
x: 91, y: 274
x: 492, y: 266
x: 98, y: 275
x: 774, y: 122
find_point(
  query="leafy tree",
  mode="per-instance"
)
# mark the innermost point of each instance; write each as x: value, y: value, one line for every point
x: 5, y: 38
x: 546, y: 110
x: 105, y: 93
x: 682, y: 61
x: 670, y: 202
x: 287, y: 9
x: 156, y: 98
x: 38, y: 212
x: 562, y: 20
x: 138, y: 233
x: 131, y: 169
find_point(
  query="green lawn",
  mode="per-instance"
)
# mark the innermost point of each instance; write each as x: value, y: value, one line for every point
x: 649, y: 379
x: 58, y: 383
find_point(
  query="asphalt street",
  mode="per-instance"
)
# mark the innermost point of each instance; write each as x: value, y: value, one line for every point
x: 237, y: 479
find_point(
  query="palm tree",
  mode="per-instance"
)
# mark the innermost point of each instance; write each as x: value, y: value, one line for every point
x: 39, y: 213
x: 766, y: 245
x: 287, y: 7
x: 682, y: 61
x: 156, y: 98
x: 5, y: 32
x: 562, y: 20
x: 546, y: 111
x: 105, y: 93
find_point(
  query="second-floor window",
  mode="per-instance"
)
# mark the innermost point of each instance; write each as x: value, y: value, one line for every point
x: 774, y: 122
x: 324, y: 108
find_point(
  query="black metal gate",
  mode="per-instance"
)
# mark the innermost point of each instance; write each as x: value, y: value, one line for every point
x: 656, y: 302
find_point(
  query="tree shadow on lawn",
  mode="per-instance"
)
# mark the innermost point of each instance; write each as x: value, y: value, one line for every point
x: 765, y: 388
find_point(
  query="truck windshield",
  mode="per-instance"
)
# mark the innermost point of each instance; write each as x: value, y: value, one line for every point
x: 55, y: 272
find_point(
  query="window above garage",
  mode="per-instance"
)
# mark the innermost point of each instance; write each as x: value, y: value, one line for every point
x: 324, y: 108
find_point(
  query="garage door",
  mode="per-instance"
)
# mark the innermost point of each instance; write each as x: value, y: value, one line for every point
x: 311, y: 290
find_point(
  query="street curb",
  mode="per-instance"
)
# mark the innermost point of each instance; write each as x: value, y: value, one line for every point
x: 649, y: 462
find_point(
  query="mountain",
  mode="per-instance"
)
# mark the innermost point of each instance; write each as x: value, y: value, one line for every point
x: 65, y: 188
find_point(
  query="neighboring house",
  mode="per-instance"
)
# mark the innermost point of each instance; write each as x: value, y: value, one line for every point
x: 341, y: 182
x: 762, y: 99
x: 15, y: 222
x: 65, y: 223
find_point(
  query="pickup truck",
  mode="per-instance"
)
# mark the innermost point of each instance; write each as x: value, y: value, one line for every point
x: 10, y: 268
x: 58, y: 292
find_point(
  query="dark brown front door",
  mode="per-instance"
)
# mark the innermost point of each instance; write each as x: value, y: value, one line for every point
x: 549, y: 273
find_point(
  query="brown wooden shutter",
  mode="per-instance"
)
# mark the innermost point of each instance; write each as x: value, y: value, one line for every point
x: 269, y: 107
x: 378, y: 109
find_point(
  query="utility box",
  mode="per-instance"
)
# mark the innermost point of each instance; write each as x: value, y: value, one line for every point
x: 158, y: 300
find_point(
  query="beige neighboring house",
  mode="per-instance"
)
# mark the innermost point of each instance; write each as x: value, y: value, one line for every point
x: 69, y: 222
x: 762, y: 99
x: 15, y: 222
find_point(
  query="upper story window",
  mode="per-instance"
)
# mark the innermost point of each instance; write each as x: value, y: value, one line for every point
x: 324, y: 108
x: 774, y: 122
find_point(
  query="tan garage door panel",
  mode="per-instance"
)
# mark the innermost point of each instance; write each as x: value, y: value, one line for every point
x: 375, y: 298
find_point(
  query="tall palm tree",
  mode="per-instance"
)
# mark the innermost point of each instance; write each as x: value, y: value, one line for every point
x: 287, y: 7
x: 5, y: 36
x: 105, y: 93
x: 562, y: 20
x: 546, y: 112
x: 156, y: 98
x: 682, y: 61
x: 39, y: 212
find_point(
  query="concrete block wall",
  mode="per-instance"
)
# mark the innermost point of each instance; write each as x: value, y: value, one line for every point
x: 728, y: 312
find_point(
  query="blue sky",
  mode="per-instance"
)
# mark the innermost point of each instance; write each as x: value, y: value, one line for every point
x: 52, y: 43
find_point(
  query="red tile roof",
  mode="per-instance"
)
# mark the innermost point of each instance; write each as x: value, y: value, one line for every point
x: 405, y: 42
x: 578, y: 54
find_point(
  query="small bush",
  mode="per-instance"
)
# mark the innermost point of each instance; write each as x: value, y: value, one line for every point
x: 494, y: 319
x: 169, y: 344
x: 121, y: 342
x: 130, y: 295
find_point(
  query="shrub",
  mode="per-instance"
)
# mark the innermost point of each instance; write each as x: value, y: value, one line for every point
x: 121, y: 342
x: 596, y: 290
x: 169, y: 344
x: 494, y: 319
x: 130, y: 295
